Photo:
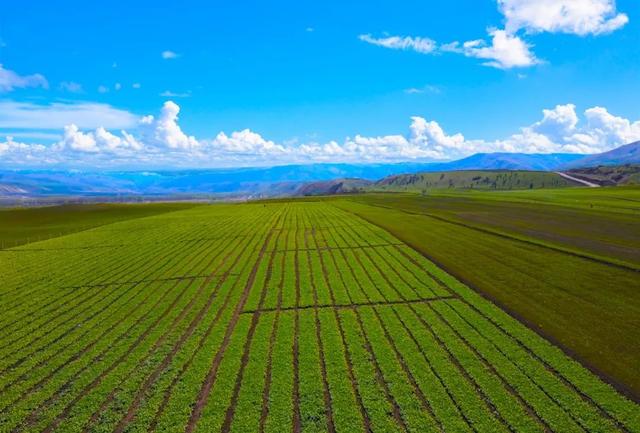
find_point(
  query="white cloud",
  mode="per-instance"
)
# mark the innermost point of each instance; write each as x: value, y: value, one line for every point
x: 34, y: 135
x: 561, y: 130
x: 118, y: 86
x: 421, y: 45
x: 11, y: 146
x: 97, y: 141
x: 505, y: 52
x: 17, y: 153
x: 10, y: 80
x: 28, y: 115
x: 170, y: 94
x: 136, y: 85
x: 507, y: 48
x: 102, y: 89
x: 167, y: 55
x: 71, y: 87
x: 246, y: 142
x: 162, y: 142
x: 580, y: 17
x: 605, y: 128
x: 429, y: 88
x: 557, y: 123
x: 76, y: 140
x: 165, y: 131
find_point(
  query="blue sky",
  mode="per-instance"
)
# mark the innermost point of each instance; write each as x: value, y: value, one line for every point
x: 259, y: 83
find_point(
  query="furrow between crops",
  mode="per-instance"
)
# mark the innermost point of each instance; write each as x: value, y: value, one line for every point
x: 205, y: 390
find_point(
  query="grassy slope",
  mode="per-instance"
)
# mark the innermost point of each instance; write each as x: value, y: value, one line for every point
x: 610, y: 175
x: 472, y: 179
x: 591, y: 308
x: 23, y: 225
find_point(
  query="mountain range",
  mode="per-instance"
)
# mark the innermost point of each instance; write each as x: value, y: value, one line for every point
x: 280, y: 180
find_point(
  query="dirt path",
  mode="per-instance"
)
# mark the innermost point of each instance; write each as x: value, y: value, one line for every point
x: 575, y: 179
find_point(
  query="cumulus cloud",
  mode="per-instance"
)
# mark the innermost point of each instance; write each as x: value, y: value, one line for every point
x: 76, y: 140
x: 246, y: 142
x: 419, y: 44
x: 97, y: 141
x: 557, y: 123
x: 10, y: 80
x: 12, y: 146
x: 580, y: 17
x: 561, y: 130
x: 165, y: 131
x: 14, y: 152
x: 506, y: 51
x: 160, y: 141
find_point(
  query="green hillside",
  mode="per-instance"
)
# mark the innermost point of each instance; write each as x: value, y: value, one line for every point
x: 609, y: 175
x: 472, y: 179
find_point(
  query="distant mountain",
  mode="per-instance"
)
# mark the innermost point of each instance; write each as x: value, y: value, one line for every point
x: 249, y: 182
x: 627, y: 154
x: 280, y: 180
x: 335, y: 186
x: 510, y: 161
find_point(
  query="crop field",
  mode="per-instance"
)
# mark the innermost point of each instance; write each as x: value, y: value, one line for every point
x: 271, y: 317
x: 564, y: 261
x: 20, y: 226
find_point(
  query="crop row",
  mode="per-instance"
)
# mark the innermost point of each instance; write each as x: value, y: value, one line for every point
x: 277, y: 317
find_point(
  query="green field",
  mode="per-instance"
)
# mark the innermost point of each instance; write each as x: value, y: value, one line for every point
x: 20, y: 226
x: 271, y: 317
x: 565, y: 261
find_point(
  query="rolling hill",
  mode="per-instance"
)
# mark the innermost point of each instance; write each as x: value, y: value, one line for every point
x: 336, y: 186
x: 276, y: 181
x: 609, y: 175
x: 472, y: 179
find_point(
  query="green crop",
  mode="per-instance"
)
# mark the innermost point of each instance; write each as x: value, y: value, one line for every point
x: 275, y: 316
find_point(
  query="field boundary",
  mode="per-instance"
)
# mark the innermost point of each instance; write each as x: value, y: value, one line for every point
x: 357, y: 304
x: 583, y: 255
x: 617, y: 385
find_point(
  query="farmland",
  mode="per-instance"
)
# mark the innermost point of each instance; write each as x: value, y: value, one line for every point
x: 565, y: 261
x: 20, y: 226
x: 271, y: 317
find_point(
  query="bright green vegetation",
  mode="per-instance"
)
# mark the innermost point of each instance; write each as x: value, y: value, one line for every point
x: 19, y: 226
x: 472, y: 179
x: 273, y: 317
x: 565, y: 261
